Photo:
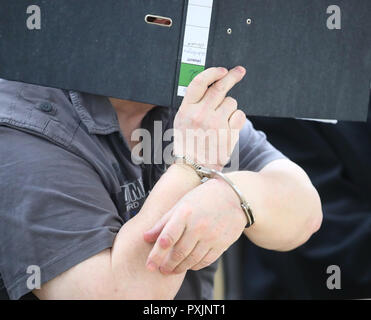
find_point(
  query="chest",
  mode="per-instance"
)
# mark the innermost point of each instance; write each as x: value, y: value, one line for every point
x: 127, y: 182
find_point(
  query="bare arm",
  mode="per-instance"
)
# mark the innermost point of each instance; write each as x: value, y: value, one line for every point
x: 286, y: 206
x: 120, y: 272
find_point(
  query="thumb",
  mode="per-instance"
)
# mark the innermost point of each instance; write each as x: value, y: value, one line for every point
x: 151, y: 235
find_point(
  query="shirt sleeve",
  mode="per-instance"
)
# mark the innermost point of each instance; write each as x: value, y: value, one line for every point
x: 254, y: 151
x: 54, y: 210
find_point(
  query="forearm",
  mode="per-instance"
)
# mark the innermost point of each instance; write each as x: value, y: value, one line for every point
x: 130, y: 251
x: 120, y: 272
x: 286, y: 206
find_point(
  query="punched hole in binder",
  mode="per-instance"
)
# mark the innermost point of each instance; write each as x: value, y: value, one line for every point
x: 158, y: 20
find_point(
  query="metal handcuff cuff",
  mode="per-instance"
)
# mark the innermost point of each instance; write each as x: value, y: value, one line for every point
x: 205, y: 174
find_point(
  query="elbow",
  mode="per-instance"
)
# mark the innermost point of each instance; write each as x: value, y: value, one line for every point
x: 315, y: 215
x: 296, y: 208
x: 311, y: 221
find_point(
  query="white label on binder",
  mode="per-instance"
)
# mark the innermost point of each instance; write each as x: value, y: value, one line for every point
x: 196, y: 38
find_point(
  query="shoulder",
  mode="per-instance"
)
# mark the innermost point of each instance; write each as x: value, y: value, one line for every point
x: 43, y: 111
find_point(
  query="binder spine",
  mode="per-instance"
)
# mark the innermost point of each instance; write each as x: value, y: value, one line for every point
x: 212, y: 35
x: 194, y: 43
x: 176, y: 102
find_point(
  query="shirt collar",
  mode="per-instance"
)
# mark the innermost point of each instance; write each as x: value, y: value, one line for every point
x: 96, y: 112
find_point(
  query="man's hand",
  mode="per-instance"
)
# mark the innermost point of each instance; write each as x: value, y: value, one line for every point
x: 196, y: 232
x: 192, y: 234
x: 207, y: 128
x: 208, y: 123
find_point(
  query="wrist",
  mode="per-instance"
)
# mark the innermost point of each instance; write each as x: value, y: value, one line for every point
x: 244, y: 203
x: 202, y: 161
x: 254, y: 191
x: 231, y: 198
x: 185, y: 172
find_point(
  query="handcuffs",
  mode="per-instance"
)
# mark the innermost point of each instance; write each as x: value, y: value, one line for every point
x: 206, y: 174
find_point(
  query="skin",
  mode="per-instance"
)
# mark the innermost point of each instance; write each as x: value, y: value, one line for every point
x: 194, y: 223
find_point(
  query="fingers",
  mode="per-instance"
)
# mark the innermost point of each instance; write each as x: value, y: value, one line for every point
x: 209, y: 259
x: 151, y: 235
x: 227, y: 108
x: 169, y: 236
x: 198, y: 87
x: 193, y: 259
x: 237, y: 120
x: 215, y: 95
x: 179, y: 253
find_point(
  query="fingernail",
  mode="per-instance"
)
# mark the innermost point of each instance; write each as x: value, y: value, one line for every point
x: 224, y: 70
x: 164, y: 271
x: 151, y: 266
x: 240, y: 69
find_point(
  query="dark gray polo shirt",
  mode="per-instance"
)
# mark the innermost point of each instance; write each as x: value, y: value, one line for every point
x: 68, y: 183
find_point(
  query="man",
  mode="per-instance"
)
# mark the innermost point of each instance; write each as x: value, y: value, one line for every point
x: 75, y: 205
x: 336, y: 262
